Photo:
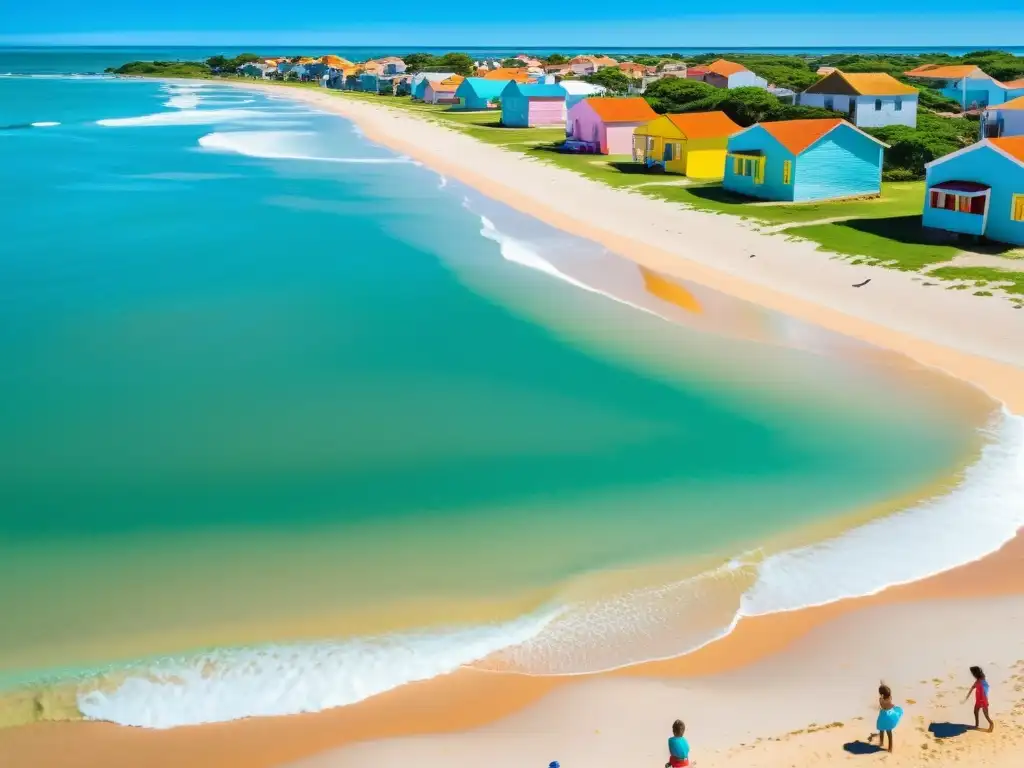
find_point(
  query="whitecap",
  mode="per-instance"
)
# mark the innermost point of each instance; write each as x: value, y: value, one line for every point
x: 973, y: 520
x: 289, y: 679
x: 183, y: 101
x: 185, y: 117
x: 279, y: 145
x: 44, y: 124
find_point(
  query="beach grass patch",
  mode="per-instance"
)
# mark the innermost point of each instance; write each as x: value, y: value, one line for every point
x: 900, y: 242
x: 1005, y: 280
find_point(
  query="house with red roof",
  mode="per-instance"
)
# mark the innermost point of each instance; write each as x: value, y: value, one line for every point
x: 588, y: 65
x: 804, y: 160
x: 978, y: 191
x: 606, y: 125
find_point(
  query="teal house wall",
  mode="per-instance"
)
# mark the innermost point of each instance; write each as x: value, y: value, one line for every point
x: 478, y: 92
x: 841, y: 162
x: 757, y: 141
x: 994, y: 163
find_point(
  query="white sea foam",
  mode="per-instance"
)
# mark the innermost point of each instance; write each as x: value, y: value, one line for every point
x: 186, y: 117
x: 183, y: 101
x: 279, y: 145
x: 976, y: 518
x: 524, y: 254
x: 44, y: 124
x: 283, y: 680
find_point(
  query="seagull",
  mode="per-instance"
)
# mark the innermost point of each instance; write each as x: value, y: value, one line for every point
x: 753, y: 255
x: 861, y: 285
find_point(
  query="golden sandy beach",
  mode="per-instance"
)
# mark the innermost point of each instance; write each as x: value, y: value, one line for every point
x: 782, y: 690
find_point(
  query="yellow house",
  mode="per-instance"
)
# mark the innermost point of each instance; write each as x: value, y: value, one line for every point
x: 692, y: 144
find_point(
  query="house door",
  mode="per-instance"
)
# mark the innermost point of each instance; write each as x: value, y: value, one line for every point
x: 667, y: 154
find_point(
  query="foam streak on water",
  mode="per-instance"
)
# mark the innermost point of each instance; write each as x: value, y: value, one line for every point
x: 279, y: 145
x: 284, y: 680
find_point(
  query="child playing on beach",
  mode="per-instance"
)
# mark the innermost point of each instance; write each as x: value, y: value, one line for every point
x: 888, y: 716
x: 980, y: 690
x: 678, y: 747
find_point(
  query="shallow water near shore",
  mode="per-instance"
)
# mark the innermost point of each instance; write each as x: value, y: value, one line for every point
x: 292, y: 420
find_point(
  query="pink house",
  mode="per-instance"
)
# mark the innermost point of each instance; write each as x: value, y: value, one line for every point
x: 533, y: 104
x: 608, y: 123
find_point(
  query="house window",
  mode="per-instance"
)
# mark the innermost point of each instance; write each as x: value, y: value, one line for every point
x: 948, y: 201
x: 898, y: 105
x: 1017, y: 212
x: 749, y: 165
x: 829, y: 102
x: 787, y: 171
x: 878, y: 105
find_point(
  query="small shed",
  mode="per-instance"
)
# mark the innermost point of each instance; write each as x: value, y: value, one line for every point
x: 442, y: 91
x: 979, y: 191
x: 608, y: 123
x: 532, y: 105
x: 693, y: 143
x: 804, y: 160
x: 479, y: 92
x: 418, y: 84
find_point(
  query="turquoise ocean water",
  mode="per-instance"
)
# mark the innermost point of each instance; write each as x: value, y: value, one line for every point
x: 281, y: 405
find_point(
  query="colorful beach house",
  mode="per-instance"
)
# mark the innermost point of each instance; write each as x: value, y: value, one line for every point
x: 803, y: 160
x: 479, y: 93
x: 1003, y: 120
x: 728, y: 74
x: 693, y: 144
x: 869, y: 99
x: 508, y: 73
x: 588, y: 65
x: 442, y: 91
x: 419, y: 82
x: 967, y: 84
x: 979, y: 191
x: 532, y: 105
x: 606, y: 125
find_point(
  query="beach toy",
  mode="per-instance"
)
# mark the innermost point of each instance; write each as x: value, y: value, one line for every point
x: 888, y: 719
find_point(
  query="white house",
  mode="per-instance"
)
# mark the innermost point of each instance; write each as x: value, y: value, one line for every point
x: 868, y: 99
x: 728, y: 74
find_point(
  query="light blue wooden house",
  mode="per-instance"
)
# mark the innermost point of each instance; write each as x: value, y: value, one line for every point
x: 979, y: 191
x: 804, y: 160
x: 968, y: 84
x: 479, y: 93
x: 1003, y: 120
x: 533, y: 105
x: 419, y: 82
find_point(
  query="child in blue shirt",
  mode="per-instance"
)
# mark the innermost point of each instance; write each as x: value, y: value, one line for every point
x: 678, y: 747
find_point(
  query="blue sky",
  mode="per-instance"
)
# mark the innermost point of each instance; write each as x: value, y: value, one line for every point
x: 599, y: 23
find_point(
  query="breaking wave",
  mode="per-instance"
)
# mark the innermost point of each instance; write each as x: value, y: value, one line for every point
x: 279, y: 145
x: 186, y: 117
x: 283, y: 680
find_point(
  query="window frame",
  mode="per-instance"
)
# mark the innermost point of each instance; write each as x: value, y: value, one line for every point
x: 787, y: 172
x: 1017, y: 199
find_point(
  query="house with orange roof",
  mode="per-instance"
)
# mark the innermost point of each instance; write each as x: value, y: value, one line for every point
x: 868, y: 99
x: 967, y: 84
x: 978, y: 191
x: 606, y: 125
x: 1003, y: 120
x: 443, y: 91
x: 728, y: 74
x: 508, y: 73
x: 588, y: 65
x: 804, y: 160
x: 693, y: 144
